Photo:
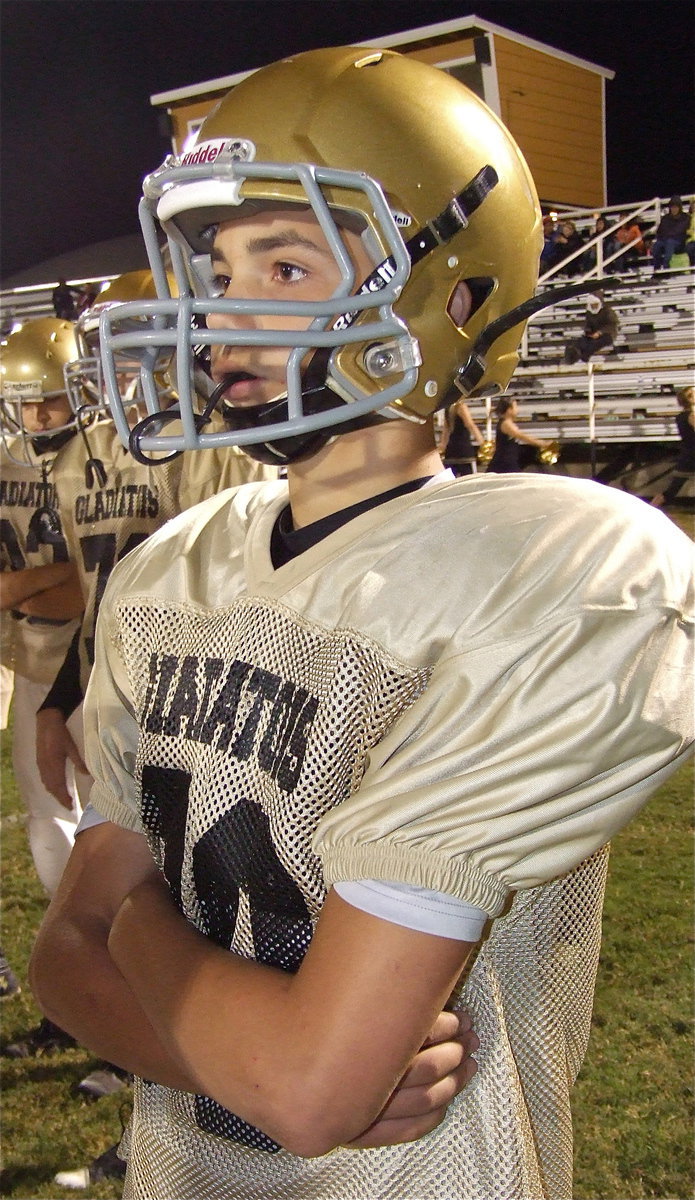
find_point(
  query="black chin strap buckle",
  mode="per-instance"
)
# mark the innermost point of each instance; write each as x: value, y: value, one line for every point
x: 454, y: 217
x: 155, y: 422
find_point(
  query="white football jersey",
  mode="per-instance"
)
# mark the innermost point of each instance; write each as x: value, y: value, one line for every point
x: 469, y: 688
x: 32, y: 536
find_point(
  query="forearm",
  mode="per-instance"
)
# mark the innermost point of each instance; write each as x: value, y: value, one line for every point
x: 217, y: 999
x: 79, y: 987
x: 254, y: 1037
x: 59, y: 603
x: 531, y: 441
x: 72, y: 974
x: 18, y: 586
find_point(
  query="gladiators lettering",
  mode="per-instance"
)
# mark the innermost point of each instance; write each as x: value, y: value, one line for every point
x: 35, y: 493
x: 133, y: 500
x: 239, y: 709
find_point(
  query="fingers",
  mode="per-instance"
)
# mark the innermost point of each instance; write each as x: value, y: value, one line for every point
x: 436, y: 1062
x: 449, y: 1025
x: 392, y: 1133
x: 54, y: 747
x: 413, y: 1112
x: 435, y: 1077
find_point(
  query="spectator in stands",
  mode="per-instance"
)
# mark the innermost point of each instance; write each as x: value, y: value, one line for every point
x: 628, y: 234
x: 670, y: 234
x: 601, y: 227
x: 64, y: 301
x: 601, y: 325
x: 551, y: 232
x: 684, y: 468
x: 690, y: 236
x: 567, y: 240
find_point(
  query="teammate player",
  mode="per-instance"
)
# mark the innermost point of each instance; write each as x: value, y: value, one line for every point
x: 39, y: 588
x: 40, y: 596
x: 360, y: 738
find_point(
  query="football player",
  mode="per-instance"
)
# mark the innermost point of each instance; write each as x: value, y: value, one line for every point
x: 359, y: 738
x: 40, y: 593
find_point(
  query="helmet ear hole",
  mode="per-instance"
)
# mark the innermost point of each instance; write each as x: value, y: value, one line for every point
x: 460, y: 304
x: 480, y: 289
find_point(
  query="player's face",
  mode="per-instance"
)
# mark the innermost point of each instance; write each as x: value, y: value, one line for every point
x: 44, y: 415
x: 278, y: 255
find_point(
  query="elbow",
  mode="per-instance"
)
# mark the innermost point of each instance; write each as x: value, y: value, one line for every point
x: 44, y: 981
x: 310, y: 1133
x: 306, y: 1121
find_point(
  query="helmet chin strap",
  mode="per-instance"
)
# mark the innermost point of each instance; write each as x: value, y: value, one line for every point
x: 316, y: 397
x: 43, y: 443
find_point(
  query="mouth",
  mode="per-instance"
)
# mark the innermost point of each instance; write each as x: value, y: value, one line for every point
x: 240, y: 387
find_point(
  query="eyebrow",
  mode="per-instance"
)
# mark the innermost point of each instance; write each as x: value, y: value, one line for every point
x: 285, y: 239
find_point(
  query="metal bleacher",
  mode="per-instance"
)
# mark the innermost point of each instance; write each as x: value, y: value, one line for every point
x: 623, y: 397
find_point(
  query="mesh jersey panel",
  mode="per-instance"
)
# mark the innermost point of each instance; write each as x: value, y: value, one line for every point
x: 249, y: 736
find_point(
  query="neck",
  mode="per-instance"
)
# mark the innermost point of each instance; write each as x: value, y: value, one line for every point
x: 355, y: 466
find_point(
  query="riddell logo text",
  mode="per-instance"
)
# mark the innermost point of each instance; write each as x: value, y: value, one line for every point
x: 205, y: 153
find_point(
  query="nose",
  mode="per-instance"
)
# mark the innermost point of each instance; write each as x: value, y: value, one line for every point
x: 33, y: 416
x: 231, y: 320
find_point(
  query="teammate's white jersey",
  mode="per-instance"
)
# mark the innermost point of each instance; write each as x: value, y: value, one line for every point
x: 104, y: 520
x: 470, y: 688
x: 31, y: 535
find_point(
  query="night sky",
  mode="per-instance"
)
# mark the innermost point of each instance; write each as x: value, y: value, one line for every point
x: 79, y: 132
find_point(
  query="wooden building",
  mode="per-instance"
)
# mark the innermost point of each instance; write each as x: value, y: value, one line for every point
x: 553, y: 103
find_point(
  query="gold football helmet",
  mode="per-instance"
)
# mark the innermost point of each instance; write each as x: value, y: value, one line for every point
x: 393, y: 149
x: 32, y: 360
x: 84, y: 377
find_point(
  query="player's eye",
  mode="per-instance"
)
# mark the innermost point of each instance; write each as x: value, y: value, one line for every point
x: 289, y: 272
x: 220, y: 283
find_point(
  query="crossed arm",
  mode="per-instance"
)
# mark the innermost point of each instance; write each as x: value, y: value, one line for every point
x: 345, y: 1033
x: 51, y: 591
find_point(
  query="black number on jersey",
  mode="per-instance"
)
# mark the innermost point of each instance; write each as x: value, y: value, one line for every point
x: 236, y: 856
x: 41, y: 532
x: 100, y: 553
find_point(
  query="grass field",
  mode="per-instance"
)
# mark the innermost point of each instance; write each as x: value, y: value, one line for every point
x: 633, y: 1102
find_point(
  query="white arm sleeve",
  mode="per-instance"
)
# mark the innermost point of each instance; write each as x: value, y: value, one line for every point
x: 90, y: 817
x: 415, y: 908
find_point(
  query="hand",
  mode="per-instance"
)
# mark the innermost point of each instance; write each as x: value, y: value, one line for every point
x: 55, y: 747
x: 436, y: 1075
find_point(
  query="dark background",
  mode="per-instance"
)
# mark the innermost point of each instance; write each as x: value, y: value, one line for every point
x: 79, y: 132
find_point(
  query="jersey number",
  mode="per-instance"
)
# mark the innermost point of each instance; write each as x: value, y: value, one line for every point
x: 100, y: 554
x: 41, y: 532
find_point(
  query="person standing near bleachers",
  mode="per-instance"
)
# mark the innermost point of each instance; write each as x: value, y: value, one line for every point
x: 460, y: 433
x: 507, y: 456
x: 685, y: 463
